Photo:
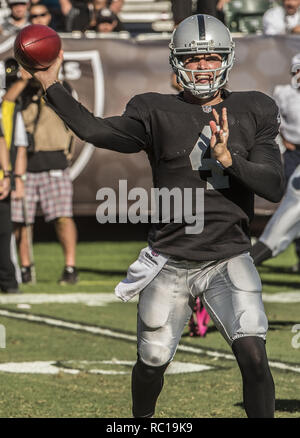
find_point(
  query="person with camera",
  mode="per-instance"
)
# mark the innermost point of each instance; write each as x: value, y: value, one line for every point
x: 48, y: 179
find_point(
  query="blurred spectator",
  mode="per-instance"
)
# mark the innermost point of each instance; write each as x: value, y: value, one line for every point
x: 96, y: 6
x: 212, y: 7
x: 208, y: 7
x: 8, y: 282
x: 104, y: 16
x: 18, y: 17
x: 115, y: 5
x: 76, y: 14
x: 181, y: 10
x: 82, y: 15
x: 220, y: 9
x: 53, y: 6
x: 48, y: 179
x: 107, y: 21
x: 39, y: 14
x: 282, y: 19
x: 13, y: 143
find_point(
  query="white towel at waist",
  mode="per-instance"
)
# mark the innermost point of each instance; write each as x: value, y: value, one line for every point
x: 140, y: 273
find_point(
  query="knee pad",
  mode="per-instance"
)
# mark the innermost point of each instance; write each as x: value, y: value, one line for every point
x: 155, y: 355
x: 154, y: 304
x: 253, y: 321
x: 243, y: 274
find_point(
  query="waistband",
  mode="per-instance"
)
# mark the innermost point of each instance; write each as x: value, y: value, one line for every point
x: 190, y: 264
x: 194, y: 264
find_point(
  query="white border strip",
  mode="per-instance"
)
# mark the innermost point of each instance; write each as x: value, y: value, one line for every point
x: 112, y: 334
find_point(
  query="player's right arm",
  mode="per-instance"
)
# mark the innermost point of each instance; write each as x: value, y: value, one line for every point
x: 121, y: 133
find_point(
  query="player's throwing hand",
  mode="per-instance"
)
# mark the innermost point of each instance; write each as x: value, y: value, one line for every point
x: 220, y: 133
x: 49, y: 76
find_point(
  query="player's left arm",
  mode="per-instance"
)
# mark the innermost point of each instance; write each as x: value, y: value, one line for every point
x: 262, y: 171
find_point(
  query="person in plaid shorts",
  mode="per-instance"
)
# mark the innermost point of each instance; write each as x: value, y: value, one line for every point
x: 47, y: 181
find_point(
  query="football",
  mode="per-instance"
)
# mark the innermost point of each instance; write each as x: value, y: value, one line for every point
x: 36, y: 47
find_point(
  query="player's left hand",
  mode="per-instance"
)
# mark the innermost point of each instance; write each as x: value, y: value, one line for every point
x: 219, y: 138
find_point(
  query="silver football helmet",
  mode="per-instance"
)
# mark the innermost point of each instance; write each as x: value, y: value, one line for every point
x: 201, y: 34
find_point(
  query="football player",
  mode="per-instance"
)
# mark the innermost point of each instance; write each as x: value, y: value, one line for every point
x: 220, y: 144
x: 284, y: 225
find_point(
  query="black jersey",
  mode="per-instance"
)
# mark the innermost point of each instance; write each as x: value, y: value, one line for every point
x: 176, y: 136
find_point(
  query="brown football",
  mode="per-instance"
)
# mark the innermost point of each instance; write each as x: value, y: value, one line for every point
x: 36, y: 47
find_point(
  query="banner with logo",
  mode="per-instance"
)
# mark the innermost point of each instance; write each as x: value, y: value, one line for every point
x: 107, y: 72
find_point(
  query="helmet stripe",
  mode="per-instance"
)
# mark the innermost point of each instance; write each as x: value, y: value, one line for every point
x: 201, y: 27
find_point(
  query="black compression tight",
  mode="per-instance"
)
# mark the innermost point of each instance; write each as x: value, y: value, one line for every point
x: 258, y: 385
x: 147, y: 383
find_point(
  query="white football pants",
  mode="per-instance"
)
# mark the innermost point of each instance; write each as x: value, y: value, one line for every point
x: 229, y: 289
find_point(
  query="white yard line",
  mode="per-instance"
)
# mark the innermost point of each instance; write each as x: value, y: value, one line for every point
x: 54, y: 322
x: 90, y: 299
x: 54, y: 367
x: 102, y: 299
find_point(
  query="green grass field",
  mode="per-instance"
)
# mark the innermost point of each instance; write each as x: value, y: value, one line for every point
x: 53, y: 368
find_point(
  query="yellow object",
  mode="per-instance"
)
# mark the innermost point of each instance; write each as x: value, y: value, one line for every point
x: 8, y: 110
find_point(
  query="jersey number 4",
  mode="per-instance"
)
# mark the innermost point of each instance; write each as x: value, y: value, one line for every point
x: 217, y: 179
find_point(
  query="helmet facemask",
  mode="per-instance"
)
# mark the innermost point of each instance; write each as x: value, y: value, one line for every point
x: 219, y: 78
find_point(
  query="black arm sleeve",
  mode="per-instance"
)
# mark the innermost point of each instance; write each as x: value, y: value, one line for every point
x: 120, y: 133
x: 262, y: 172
